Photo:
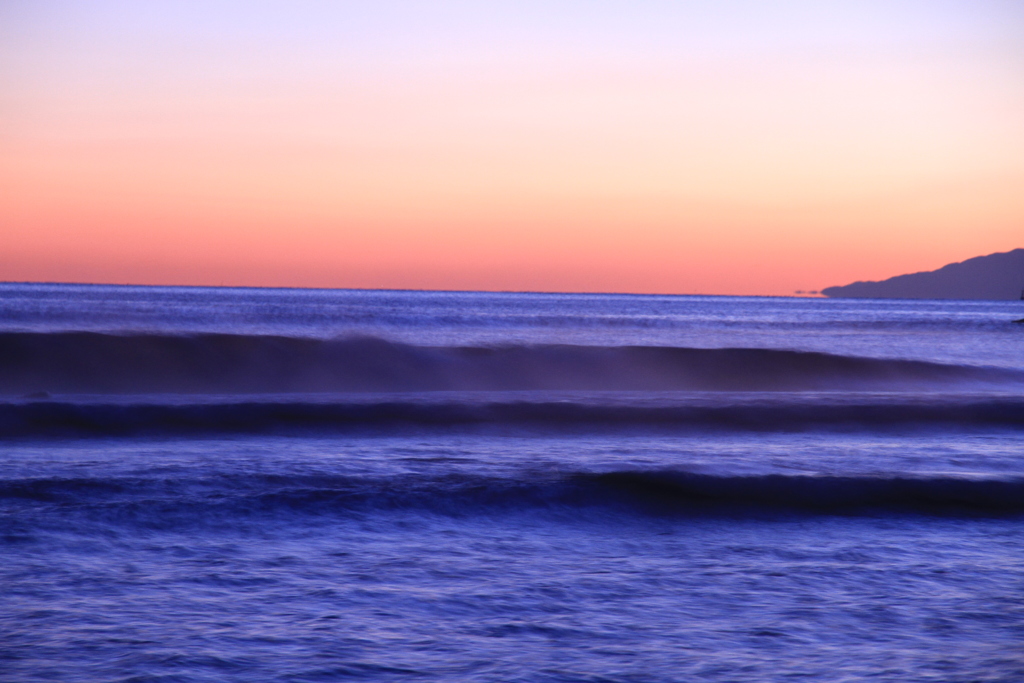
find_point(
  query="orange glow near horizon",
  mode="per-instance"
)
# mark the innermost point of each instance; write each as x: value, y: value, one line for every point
x: 757, y: 169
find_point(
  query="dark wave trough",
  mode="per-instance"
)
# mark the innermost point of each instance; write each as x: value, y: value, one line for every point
x: 95, y: 363
x: 631, y: 491
x: 69, y: 419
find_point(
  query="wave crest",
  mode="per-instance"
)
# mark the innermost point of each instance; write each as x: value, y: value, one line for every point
x: 95, y: 363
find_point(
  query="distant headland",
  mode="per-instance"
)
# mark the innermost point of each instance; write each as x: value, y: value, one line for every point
x: 996, y: 276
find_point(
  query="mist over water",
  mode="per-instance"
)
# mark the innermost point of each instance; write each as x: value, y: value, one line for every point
x: 96, y: 363
x: 305, y: 485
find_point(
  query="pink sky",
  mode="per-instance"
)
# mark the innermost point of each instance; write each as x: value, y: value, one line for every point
x: 564, y: 146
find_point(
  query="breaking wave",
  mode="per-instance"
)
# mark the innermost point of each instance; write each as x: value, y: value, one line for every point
x: 95, y: 363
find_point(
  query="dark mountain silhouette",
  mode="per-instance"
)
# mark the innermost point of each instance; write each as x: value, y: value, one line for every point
x: 996, y: 276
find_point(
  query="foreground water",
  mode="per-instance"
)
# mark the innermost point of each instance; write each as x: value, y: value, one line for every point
x: 300, y: 485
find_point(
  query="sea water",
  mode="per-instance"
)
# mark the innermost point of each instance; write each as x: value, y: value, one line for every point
x: 315, y: 485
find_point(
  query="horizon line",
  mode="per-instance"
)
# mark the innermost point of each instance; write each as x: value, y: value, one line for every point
x: 795, y: 295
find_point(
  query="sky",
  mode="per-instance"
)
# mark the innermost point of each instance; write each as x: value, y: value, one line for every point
x: 694, y: 146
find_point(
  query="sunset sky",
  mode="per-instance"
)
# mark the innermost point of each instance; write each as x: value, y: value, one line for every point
x: 704, y: 146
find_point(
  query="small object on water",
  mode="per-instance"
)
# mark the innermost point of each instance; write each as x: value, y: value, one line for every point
x: 1019, y: 321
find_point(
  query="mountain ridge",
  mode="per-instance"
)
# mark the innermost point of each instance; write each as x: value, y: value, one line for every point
x: 998, y: 276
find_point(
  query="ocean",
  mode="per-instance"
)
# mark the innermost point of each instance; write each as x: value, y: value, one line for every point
x: 220, y: 484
